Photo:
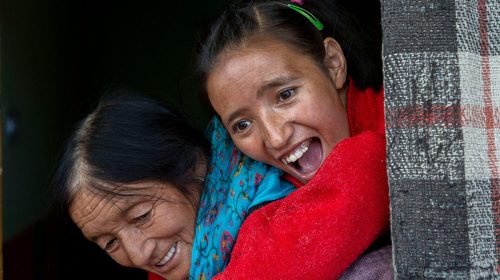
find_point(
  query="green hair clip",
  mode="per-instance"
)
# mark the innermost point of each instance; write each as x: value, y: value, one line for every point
x: 308, y: 15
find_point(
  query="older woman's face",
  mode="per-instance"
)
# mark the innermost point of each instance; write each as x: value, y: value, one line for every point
x: 153, y: 229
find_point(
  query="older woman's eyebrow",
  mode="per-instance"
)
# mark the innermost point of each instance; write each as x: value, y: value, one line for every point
x: 123, y: 209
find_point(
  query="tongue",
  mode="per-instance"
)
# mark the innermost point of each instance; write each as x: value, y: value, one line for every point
x: 311, y: 160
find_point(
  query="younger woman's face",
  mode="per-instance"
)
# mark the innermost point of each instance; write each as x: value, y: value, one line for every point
x: 279, y: 106
x: 151, y: 230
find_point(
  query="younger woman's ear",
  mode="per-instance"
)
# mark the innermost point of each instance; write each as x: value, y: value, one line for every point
x: 335, y: 62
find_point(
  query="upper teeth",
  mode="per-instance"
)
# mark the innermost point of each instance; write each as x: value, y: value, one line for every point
x: 298, y: 153
x: 168, y: 256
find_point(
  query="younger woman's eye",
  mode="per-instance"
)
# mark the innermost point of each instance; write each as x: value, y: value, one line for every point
x: 285, y: 95
x: 241, y: 125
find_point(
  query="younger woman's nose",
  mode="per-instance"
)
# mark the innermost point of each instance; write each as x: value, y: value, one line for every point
x: 276, y: 131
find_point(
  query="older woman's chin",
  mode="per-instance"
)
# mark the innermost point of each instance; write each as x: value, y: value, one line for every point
x: 179, y: 265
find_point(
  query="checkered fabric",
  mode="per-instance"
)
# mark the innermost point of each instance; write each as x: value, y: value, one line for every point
x: 442, y: 102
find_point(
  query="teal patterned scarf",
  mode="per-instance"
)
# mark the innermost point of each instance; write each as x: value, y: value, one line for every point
x: 234, y: 184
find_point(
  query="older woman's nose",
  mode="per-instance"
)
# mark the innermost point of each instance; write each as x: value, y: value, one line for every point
x: 138, y: 248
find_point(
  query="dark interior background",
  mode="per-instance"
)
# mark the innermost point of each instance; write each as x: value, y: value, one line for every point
x: 57, y: 57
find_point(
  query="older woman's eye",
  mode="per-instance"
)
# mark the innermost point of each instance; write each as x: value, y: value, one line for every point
x: 110, y: 244
x: 143, y: 218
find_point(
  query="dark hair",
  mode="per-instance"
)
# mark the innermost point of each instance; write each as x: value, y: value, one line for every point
x: 129, y: 138
x: 274, y: 19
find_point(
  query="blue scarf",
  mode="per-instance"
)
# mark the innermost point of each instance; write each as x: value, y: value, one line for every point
x: 233, y: 185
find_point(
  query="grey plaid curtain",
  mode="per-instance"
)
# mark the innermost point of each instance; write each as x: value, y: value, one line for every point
x: 442, y: 102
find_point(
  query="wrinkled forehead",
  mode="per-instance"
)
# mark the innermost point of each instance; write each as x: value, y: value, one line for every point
x: 88, y: 206
x: 101, y: 200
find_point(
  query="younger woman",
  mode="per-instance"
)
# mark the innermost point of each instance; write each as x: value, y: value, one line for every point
x: 290, y: 81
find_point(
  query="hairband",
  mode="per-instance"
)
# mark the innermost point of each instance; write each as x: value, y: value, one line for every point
x: 306, y: 14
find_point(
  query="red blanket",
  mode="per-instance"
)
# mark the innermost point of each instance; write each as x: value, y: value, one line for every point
x: 319, y: 230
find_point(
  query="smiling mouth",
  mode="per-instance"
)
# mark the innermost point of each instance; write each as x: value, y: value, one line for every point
x: 298, y: 153
x: 168, y: 256
x: 306, y: 158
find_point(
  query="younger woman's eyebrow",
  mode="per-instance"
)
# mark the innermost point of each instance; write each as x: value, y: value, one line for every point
x: 267, y: 85
x: 275, y: 82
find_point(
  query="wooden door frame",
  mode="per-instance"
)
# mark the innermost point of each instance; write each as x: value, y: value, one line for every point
x: 1, y: 181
